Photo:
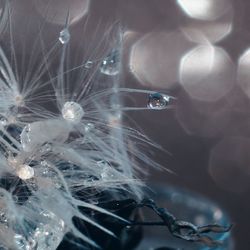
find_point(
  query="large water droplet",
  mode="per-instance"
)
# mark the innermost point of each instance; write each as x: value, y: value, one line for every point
x: 111, y: 64
x: 48, y: 235
x: 64, y: 36
x: 72, y: 112
x: 38, y: 133
x: 158, y: 101
x: 3, y: 217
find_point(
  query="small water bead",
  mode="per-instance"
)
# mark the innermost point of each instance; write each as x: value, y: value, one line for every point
x: 3, y: 217
x: 25, y: 138
x: 72, y: 112
x: 111, y: 64
x: 25, y: 172
x: 158, y: 101
x: 88, y: 64
x: 106, y: 170
x: 64, y: 36
x: 3, y: 120
x: 46, y: 148
x: 89, y: 127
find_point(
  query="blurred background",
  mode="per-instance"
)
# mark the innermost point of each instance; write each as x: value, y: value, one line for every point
x: 199, y: 52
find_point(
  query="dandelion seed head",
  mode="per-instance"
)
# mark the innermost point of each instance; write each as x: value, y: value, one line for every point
x: 57, y: 154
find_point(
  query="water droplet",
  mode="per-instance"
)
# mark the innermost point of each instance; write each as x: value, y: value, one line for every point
x: 107, y: 172
x: 88, y: 127
x: 88, y: 64
x: 38, y: 133
x: 3, y: 217
x: 3, y: 120
x: 111, y: 64
x: 46, y: 148
x: 64, y: 36
x: 25, y: 135
x: 22, y: 243
x: 158, y: 101
x: 25, y: 172
x: 49, y: 233
x: 72, y: 112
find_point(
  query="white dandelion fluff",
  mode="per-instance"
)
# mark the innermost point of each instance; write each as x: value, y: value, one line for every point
x: 62, y: 134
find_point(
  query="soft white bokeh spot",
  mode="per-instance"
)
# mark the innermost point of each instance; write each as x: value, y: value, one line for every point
x: 207, y: 73
x: 244, y: 72
x: 155, y: 58
x: 204, y: 9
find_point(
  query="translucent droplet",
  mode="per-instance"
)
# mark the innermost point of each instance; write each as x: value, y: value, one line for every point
x: 72, y: 112
x: 25, y: 172
x: 3, y: 120
x: 38, y: 133
x: 49, y: 234
x: 22, y: 243
x: 107, y: 172
x: 64, y: 36
x: 3, y: 217
x: 88, y: 64
x: 158, y: 101
x: 88, y: 127
x: 111, y: 64
x: 46, y: 148
x: 25, y: 135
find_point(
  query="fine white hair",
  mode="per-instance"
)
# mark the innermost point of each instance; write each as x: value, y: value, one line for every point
x: 63, y: 134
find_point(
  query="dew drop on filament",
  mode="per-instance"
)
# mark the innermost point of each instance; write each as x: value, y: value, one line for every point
x: 111, y: 64
x: 3, y: 120
x: 106, y: 170
x: 158, y: 101
x: 64, y: 36
x: 89, y: 127
x: 72, y: 112
x: 25, y: 172
x: 88, y: 64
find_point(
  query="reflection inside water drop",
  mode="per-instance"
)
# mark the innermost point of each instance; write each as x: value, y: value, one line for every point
x: 158, y: 101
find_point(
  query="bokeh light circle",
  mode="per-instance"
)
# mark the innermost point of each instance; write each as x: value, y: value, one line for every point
x: 207, y: 73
